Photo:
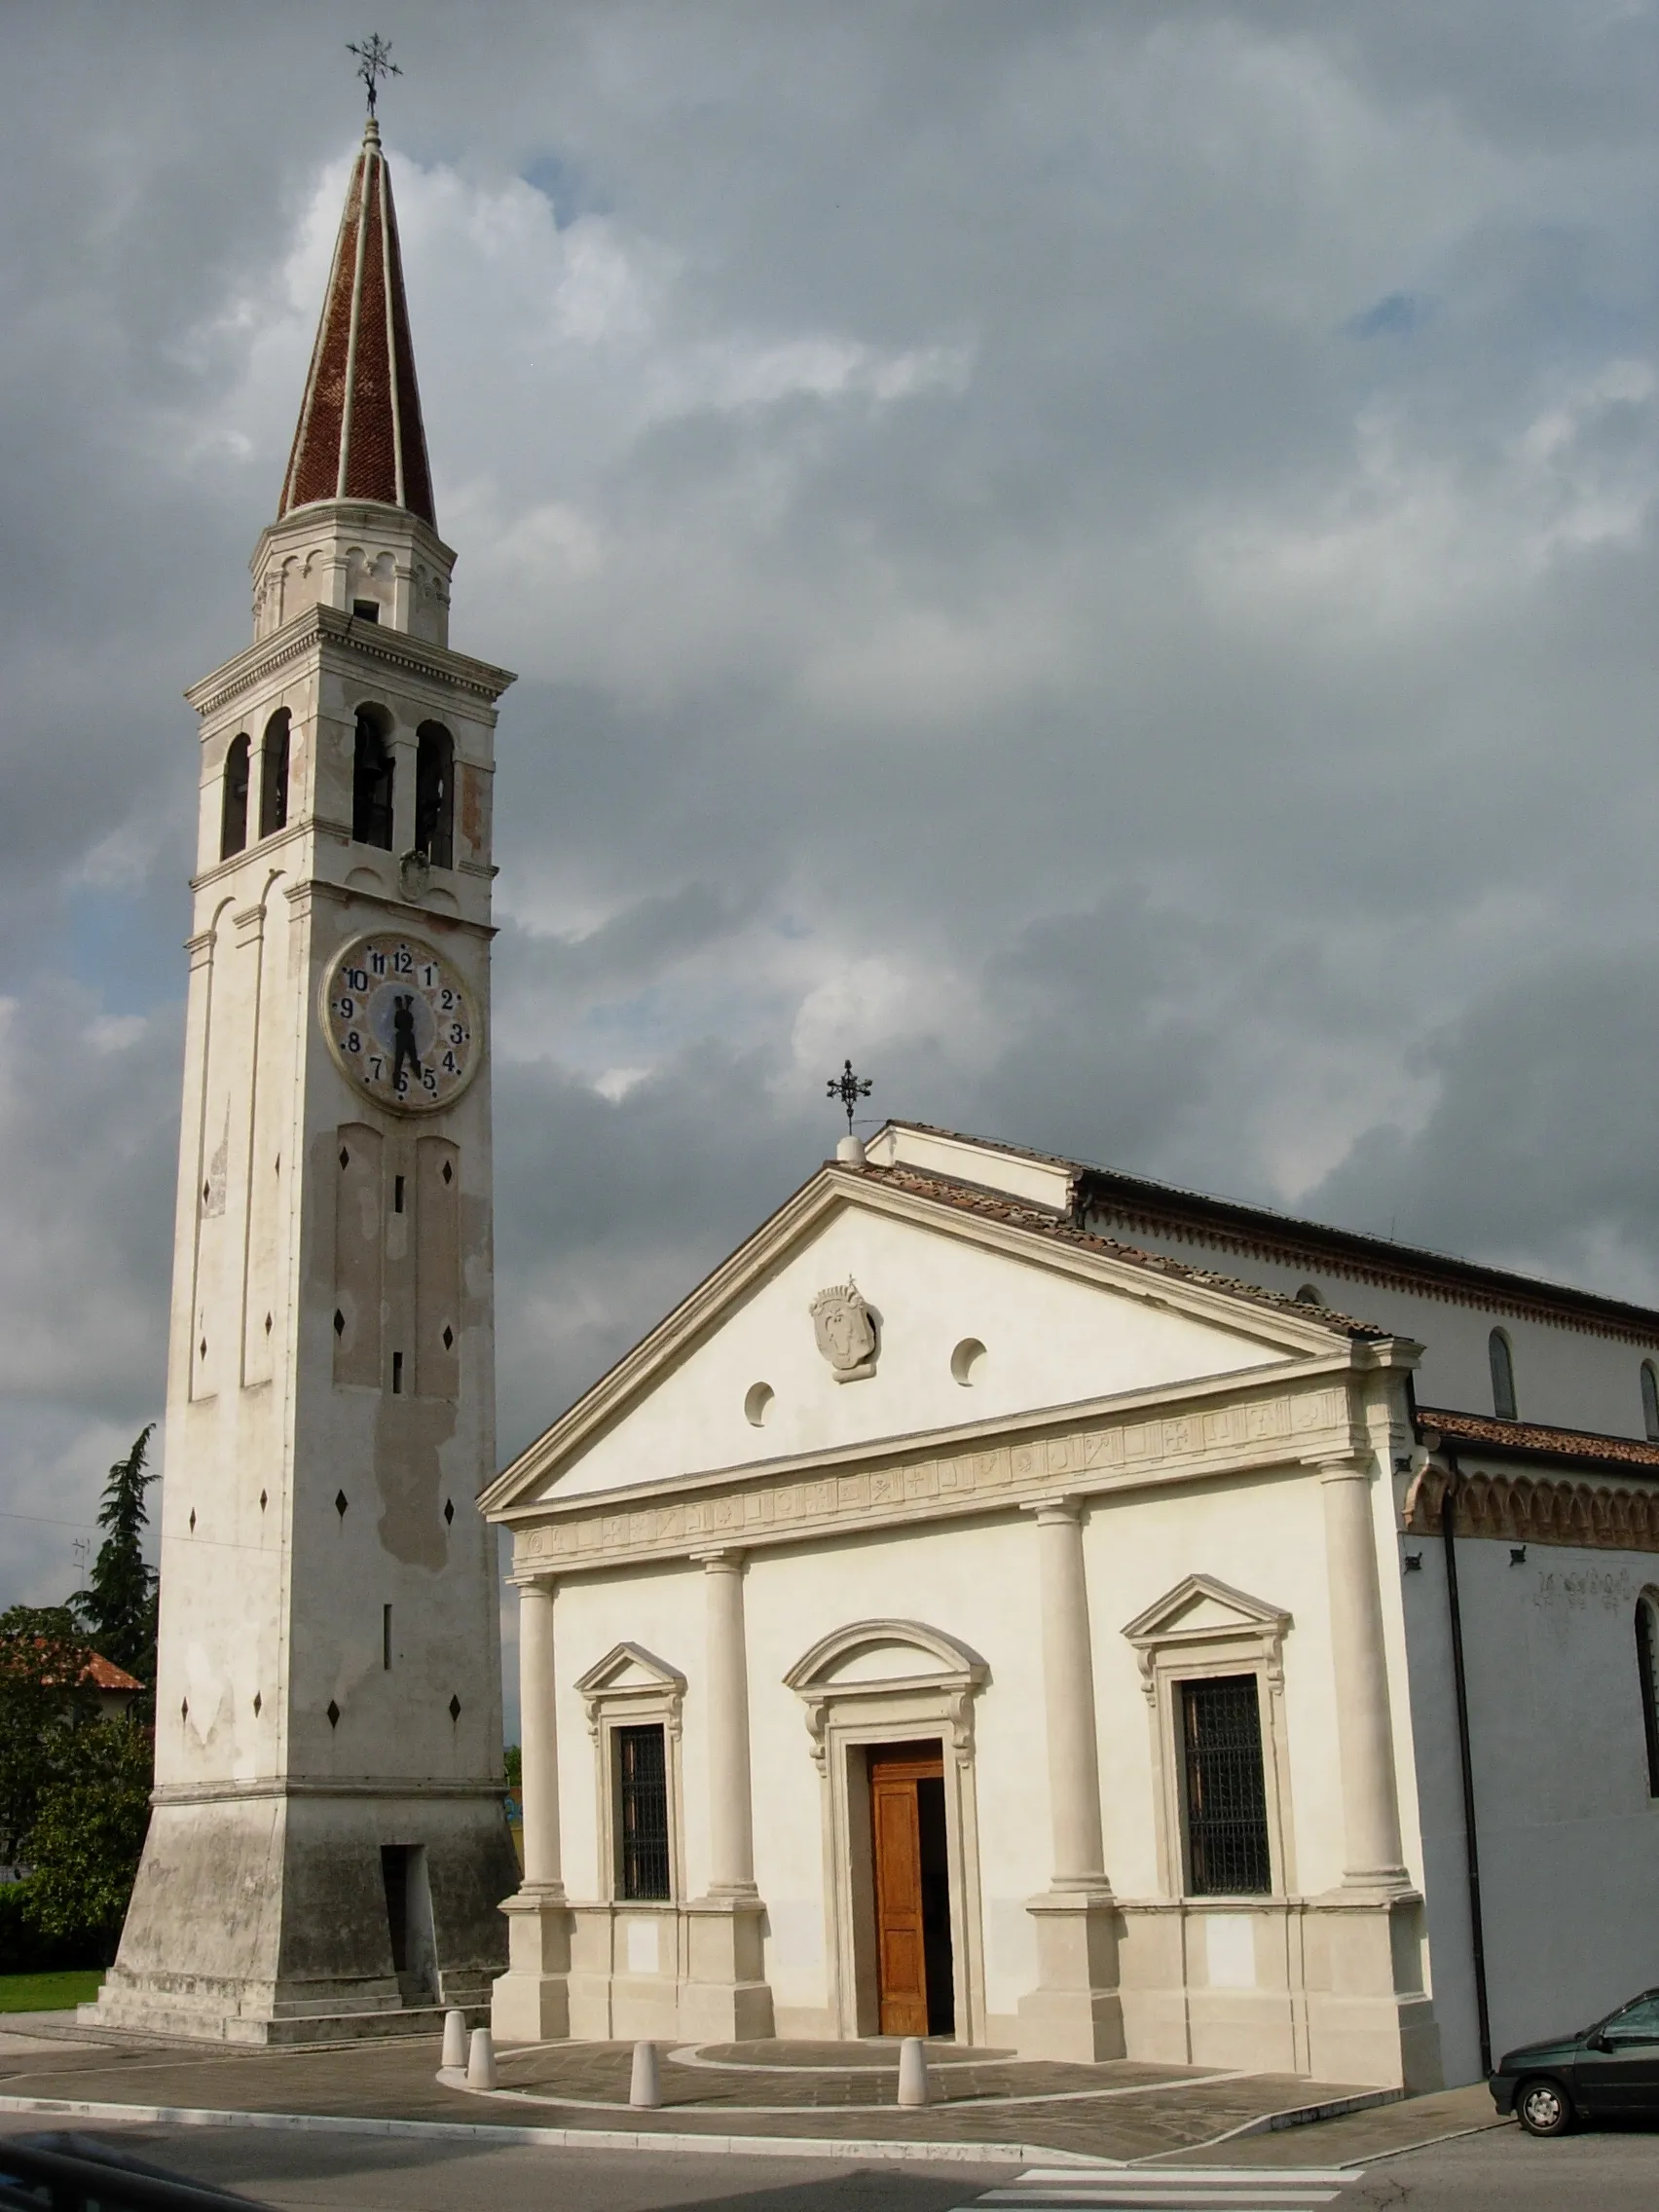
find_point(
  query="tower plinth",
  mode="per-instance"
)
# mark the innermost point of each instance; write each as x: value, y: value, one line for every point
x: 328, y: 1846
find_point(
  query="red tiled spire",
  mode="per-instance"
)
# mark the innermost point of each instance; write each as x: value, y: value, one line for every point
x: 360, y: 434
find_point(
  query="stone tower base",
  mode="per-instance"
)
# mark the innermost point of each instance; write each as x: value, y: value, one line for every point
x: 269, y: 1919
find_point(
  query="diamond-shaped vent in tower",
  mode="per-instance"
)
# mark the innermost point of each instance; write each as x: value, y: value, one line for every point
x: 339, y: 1322
x: 449, y: 1338
x: 192, y: 1520
x: 333, y: 1714
x: 262, y: 1501
x: 455, y: 1709
x: 449, y: 1172
x: 345, y: 1157
x: 184, y: 1710
x: 449, y: 1509
x: 341, y: 1502
x: 258, y: 1701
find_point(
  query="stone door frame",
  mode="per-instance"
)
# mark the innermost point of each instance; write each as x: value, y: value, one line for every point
x: 843, y: 1717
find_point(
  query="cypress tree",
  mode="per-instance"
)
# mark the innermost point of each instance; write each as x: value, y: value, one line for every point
x: 117, y: 1609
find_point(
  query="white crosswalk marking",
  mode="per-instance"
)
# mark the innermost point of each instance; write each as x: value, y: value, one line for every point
x: 1168, y: 2189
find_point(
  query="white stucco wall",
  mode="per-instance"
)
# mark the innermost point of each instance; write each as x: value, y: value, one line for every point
x: 1049, y: 1338
x: 1568, y: 1834
x: 1568, y: 1377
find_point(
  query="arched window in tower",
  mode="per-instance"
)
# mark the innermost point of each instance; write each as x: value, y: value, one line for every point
x: 434, y: 794
x: 1650, y: 1400
x: 1502, y: 1375
x: 1647, y: 1679
x: 372, y: 780
x: 232, y: 814
x: 273, y: 775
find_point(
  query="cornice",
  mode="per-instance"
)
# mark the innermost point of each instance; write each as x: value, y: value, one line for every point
x: 1219, y: 1430
x: 1282, y: 1330
x: 319, y: 626
x: 1569, y: 1513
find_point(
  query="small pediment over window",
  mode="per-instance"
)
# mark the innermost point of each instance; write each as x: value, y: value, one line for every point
x: 629, y: 1668
x: 1203, y: 1610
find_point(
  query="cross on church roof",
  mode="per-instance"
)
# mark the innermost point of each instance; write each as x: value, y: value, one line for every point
x: 849, y: 1089
x: 374, y: 61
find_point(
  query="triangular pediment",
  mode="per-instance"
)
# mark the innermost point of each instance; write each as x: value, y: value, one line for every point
x: 1201, y: 1609
x: 631, y: 1668
x: 953, y: 1313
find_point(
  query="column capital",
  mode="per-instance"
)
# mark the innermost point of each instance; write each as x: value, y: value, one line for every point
x: 532, y: 1579
x: 1064, y: 1506
x: 1340, y: 1467
x: 724, y: 1558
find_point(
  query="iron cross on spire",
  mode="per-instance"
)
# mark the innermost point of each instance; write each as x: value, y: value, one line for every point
x: 849, y: 1089
x: 374, y: 61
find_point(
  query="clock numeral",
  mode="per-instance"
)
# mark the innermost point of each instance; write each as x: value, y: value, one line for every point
x: 346, y: 1010
x: 431, y: 1080
x: 403, y: 962
x: 354, y: 1043
x: 449, y: 1067
x: 428, y: 974
x: 356, y: 978
x: 377, y: 961
x: 446, y: 1001
x: 458, y: 1034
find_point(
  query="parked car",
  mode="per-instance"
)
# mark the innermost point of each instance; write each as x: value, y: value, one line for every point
x: 1601, y: 2072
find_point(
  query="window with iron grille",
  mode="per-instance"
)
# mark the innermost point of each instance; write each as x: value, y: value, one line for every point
x: 1226, y: 1794
x: 642, y: 1826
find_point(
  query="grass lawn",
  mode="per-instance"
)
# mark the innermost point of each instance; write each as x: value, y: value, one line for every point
x: 49, y: 1992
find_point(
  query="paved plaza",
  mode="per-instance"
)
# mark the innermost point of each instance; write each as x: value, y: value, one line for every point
x: 835, y: 2095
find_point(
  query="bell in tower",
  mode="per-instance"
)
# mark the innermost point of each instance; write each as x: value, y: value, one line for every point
x: 328, y: 1847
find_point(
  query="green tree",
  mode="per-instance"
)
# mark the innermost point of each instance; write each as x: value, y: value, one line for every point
x: 89, y: 1833
x: 117, y: 1609
x: 45, y: 1701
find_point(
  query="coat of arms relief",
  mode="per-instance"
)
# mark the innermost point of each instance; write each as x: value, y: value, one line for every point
x: 845, y: 1329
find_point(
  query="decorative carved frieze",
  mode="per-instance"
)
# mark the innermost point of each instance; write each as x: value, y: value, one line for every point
x: 1581, y: 1515
x: 770, y: 1508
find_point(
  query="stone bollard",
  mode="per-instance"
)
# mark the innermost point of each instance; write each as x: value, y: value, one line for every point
x: 645, y: 2087
x: 481, y: 2060
x: 912, y: 2071
x: 454, y: 2039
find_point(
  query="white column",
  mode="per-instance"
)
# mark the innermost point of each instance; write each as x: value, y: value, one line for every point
x: 731, y: 1819
x: 1371, y: 1811
x: 1068, y: 1690
x: 538, y: 1739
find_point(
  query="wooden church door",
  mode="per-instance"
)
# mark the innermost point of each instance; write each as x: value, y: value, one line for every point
x: 912, y: 1894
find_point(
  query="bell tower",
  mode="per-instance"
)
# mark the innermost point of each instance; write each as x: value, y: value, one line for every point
x: 328, y: 1847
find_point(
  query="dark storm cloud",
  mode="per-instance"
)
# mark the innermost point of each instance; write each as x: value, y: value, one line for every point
x: 1097, y: 558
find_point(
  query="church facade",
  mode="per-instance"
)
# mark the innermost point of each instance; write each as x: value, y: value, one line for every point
x: 1018, y: 1601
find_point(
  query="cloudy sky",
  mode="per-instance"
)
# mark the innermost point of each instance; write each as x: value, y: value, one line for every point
x: 1099, y: 559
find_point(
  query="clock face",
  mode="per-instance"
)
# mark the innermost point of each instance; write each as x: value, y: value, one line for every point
x: 401, y: 1023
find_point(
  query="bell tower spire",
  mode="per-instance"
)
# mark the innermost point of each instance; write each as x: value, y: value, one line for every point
x: 360, y: 435
x: 327, y: 1847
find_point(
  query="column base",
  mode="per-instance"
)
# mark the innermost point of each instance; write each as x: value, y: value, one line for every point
x: 1075, y: 2013
x: 530, y: 2003
x: 1369, y: 2015
x: 726, y: 1997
